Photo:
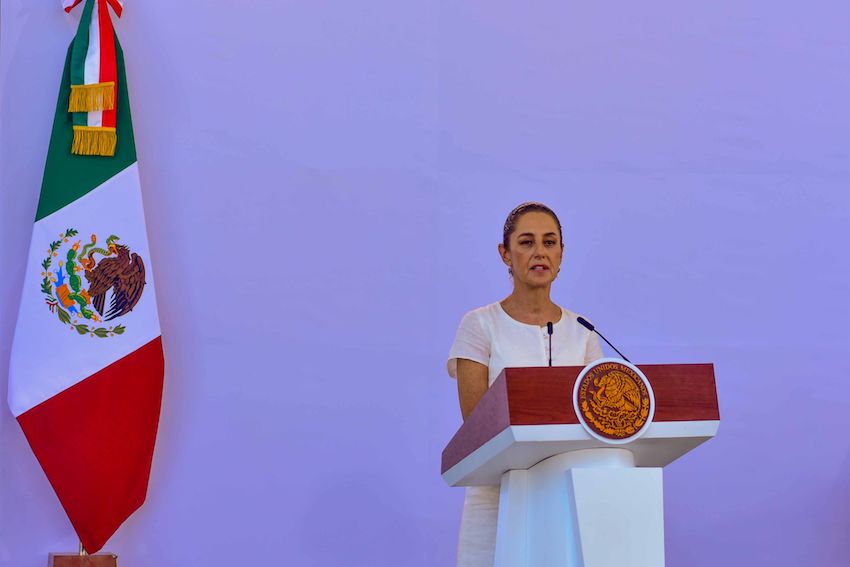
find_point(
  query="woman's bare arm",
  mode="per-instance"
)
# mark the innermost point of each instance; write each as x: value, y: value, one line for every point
x: 472, y: 382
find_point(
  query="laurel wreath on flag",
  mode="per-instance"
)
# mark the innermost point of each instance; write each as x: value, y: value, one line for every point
x: 53, y: 303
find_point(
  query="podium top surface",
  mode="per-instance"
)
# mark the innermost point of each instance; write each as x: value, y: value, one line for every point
x: 522, y: 401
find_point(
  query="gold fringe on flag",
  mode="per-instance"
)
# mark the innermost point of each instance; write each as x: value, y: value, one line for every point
x: 88, y: 98
x: 94, y: 141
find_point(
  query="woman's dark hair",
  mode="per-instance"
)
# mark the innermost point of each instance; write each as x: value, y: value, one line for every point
x: 530, y: 207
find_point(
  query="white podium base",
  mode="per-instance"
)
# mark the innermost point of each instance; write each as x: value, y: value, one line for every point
x: 587, y: 508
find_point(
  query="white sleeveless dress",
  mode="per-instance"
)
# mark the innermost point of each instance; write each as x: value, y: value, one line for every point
x: 489, y: 335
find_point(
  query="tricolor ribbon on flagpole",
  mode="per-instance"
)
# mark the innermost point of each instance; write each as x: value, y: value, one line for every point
x: 94, y: 78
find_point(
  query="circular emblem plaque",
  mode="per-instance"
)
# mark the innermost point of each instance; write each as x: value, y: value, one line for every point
x: 613, y: 400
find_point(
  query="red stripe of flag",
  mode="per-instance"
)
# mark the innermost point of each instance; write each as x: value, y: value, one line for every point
x: 95, y: 442
x: 108, y: 70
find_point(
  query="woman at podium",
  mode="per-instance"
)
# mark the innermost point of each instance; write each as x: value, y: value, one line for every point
x: 525, y: 329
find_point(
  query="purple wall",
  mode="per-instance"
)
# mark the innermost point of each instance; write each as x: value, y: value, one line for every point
x: 325, y: 185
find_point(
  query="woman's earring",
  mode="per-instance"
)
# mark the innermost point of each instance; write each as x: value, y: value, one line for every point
x: 510, y: 272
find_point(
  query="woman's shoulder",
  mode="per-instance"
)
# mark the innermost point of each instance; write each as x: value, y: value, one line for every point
x: 485, y: 310
x: 569, y: 315
x: 571, y: 318
x: 483, y: 314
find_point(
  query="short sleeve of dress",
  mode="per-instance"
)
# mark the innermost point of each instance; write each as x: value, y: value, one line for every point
x: 471, y: 343
x: 593, y: 350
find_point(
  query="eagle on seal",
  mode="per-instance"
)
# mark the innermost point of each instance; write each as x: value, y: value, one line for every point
x: 124, y: 274
x: 617, y: 392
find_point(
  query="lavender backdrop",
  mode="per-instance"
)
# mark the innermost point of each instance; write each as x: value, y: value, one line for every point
x: 325, y: 184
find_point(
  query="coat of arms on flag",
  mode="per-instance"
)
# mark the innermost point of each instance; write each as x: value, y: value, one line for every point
x: 81, y: 302
x: 86, y: 368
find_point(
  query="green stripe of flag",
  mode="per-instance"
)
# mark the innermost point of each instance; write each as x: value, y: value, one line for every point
x: 80, y: 46
x: 68, y: 177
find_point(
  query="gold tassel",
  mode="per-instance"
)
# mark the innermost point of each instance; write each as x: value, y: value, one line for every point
x: 94, y: 141
x: 88, y: 98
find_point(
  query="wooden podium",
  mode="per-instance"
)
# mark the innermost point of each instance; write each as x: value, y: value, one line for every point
x: 567, y: 498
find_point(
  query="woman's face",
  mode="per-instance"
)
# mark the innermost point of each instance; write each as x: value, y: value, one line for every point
x: 535, y: 250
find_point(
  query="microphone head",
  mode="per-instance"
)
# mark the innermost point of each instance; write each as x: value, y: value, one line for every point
x: 549, y: 327
x: 584, y: 323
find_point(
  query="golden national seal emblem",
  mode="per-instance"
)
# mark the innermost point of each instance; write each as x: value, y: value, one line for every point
x: 613, y: 400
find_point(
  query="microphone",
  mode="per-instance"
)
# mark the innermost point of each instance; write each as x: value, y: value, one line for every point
x: 549, y: 329
x: 584, y: 323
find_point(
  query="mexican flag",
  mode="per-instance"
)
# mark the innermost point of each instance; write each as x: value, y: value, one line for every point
x: 85, y: 376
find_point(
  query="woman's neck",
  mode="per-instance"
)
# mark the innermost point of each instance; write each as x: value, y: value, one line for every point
x: 531, y: 306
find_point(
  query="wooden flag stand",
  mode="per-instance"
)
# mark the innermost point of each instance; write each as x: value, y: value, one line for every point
x: 82, y: 559
x: 75, y: 560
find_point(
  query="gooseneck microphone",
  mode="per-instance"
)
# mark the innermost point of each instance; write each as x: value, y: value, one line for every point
x: 584, y: 323
x: 549, y: 329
